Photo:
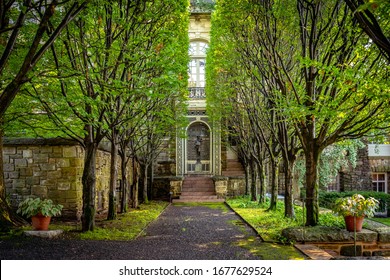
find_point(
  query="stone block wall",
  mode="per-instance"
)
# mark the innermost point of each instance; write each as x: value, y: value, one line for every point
x: 236, y: 186
x: 166, y: 187
x: 358, y: 178
x: 175, y: 185
x: 52, y: 169
x: 221, y: 186
x: 365, y: 249
x: 361, y: 175
x: 370, y: 242
x: 229, y: 186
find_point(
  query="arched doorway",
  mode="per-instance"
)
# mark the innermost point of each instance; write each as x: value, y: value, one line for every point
x: 198, y: 148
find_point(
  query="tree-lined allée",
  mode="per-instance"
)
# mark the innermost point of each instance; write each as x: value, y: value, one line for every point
x: 302, y: 75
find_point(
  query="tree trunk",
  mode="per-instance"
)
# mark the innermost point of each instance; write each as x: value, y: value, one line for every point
x: 312, y: 156
x: 124, y: 208
x: 134, y: 199
x: 145, y: 184
x: 89, y: 187
x: 112, y: 209
x: 274, y: 184
x: 288, y: 194
x: 253, y: 180
x: 150, y: 181
x: 134, y: 186
x: 247, y: 178
x: 263, y: 187
x: 2, y: 182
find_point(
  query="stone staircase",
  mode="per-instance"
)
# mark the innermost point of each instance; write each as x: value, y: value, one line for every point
x: 197, y: 189
x: 233, y: 168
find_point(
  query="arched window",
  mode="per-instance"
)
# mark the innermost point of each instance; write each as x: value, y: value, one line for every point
x: 196, y: 69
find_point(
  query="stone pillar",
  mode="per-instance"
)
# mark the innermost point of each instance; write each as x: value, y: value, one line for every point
x: 361, y: 176
x: 221, y: 186
x: 175, y: 185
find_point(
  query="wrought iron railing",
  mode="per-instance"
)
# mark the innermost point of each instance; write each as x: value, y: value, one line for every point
x: 197, y: 92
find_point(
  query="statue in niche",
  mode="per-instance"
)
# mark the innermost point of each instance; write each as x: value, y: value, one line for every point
x: 198, y: 143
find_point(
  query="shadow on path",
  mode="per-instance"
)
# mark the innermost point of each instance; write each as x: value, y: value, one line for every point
x: 182, y: 232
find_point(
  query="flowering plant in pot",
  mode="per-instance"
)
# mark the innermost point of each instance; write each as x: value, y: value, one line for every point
x: 354, y: 208
x: 40, y: 211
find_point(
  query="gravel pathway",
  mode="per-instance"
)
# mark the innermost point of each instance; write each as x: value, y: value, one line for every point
x: 181, y: 232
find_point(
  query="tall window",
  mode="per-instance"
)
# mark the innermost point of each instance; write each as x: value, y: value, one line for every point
x: 379, y: 182
x: 196, y: 69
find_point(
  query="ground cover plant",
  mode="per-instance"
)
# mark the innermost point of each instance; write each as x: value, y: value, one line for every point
x: 269, y: 224
x: 127, y: 226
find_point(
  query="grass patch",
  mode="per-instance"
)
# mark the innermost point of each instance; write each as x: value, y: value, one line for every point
x: 127, y: 226
x: 385, y: 221
x: 269, y: 224
x: 271, y: 251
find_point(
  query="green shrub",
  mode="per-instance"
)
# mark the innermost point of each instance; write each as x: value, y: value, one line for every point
x: 33, y: 206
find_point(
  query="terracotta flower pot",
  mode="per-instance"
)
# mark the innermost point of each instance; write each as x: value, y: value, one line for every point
x: 349, y: 222
x: 40, y: 222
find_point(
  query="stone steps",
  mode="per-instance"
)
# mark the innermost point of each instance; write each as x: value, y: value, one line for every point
x: 233, y: 168
x: 313, y: 252
x: 197, y: 193
x: 198, y: 189
x: 198, y: 200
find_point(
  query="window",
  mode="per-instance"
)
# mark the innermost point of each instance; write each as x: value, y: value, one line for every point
x: 196, y: 68
x: 379, y: 182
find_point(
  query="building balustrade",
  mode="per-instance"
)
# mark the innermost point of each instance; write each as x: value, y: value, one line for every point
x: 197, y: 93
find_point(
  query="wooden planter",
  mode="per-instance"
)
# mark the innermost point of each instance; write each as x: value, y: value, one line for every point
x: 349, y: 222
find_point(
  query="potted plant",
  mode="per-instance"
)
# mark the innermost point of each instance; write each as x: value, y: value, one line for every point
x: 40, y: 211
x: 354, y: 208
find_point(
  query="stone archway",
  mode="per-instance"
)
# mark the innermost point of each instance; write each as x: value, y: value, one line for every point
x: 198, y: 157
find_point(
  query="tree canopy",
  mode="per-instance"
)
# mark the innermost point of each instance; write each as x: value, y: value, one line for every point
x: 309, y: 65
x: 118, y: 67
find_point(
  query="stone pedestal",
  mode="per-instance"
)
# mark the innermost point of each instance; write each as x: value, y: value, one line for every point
x: 44, y: 233
x: 198, y: 167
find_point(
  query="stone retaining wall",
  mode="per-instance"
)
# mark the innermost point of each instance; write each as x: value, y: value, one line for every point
x: 365, y: 249
x: 229, y: 186
x: 52, y: 168
x: 224, y: 186
x: 370, y: 242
